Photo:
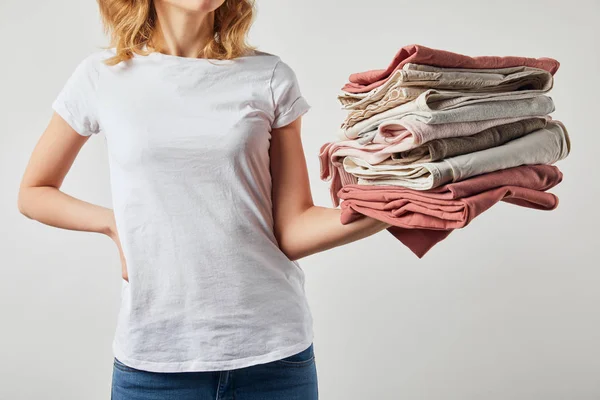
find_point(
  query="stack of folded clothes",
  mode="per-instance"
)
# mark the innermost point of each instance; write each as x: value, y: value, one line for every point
x: 437, y: 138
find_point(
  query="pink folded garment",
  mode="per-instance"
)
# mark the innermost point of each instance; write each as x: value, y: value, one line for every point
x: 362, y: 82
x: 421, y: 219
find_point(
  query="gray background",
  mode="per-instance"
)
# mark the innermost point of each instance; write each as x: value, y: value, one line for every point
x: 505, y: 309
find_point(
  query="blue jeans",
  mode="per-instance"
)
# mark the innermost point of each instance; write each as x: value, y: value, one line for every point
x: 290, y: 378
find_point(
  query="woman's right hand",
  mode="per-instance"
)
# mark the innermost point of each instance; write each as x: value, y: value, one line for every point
x: 114, y: 235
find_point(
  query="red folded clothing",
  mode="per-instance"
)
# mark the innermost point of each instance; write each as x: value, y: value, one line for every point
x: 421, y: 219
x: 366, y: 81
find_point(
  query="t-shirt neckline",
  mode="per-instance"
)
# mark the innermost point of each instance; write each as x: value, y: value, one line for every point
x: 159, y: 55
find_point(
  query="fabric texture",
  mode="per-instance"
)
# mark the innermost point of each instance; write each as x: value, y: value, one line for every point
x: 422, y: 219
x: 426, y: 77
x: 293, y: 377
x: 419, y: 54
x: 439, y: 149
x: 544, y: 146
x: 188, y: 144
x: 437, y: 107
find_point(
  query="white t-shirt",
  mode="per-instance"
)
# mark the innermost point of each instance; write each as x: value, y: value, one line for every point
x: 188, y: 141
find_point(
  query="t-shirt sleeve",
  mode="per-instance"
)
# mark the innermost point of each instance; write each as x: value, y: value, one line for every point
x: 76, y: 101
x: 288, y: 100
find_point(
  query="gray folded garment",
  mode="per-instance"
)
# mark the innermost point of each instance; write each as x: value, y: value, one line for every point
x: 439, y: 149
x: 543, y: 146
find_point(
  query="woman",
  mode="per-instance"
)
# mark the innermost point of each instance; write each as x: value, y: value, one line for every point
x: 212, y: 206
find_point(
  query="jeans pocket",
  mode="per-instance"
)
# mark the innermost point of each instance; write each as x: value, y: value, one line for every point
x: 305, y: 357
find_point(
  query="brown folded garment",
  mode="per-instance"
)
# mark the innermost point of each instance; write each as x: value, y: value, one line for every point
x: 421, y: 219
x: 439, y: 149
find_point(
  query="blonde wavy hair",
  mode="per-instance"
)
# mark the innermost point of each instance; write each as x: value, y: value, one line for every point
x: 132, y: 27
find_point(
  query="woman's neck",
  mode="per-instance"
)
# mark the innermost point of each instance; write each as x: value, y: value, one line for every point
x: 181, y: 32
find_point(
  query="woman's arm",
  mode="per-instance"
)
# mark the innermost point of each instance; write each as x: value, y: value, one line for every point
x: 40, y: 197
x: 301, y: 228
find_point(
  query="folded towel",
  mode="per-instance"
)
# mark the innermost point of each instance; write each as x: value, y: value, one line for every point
x: 422, y: 219
x: 439, y: 107
x: 419, y: 54
x: 423, y: 77
x: 544, y: 146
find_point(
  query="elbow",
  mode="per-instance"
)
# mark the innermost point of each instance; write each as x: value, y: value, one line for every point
x: 283, y: 246
x: 290, y: 247
x: 291, y: 254
x: 22, y: 202
x: 292, y: 238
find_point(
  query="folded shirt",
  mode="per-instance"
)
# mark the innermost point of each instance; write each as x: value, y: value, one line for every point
x: 422, y: 219
x: 439, y: 107
x: 423, y: 77
x: 544, y: 146
x: 407, y: 133
x: 439, y: 149
x: 418, y: 54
